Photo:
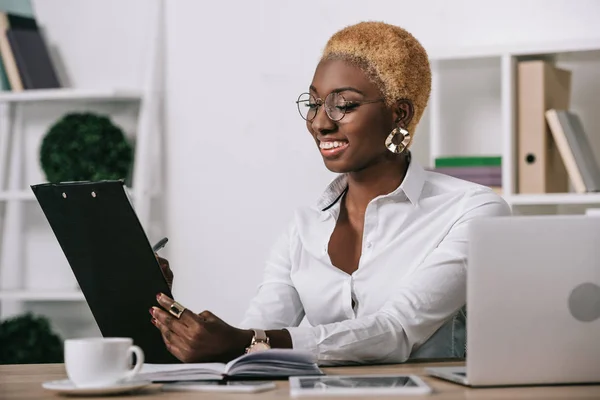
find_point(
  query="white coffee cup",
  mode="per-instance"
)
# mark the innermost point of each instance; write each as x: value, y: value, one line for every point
x: 100, y: 362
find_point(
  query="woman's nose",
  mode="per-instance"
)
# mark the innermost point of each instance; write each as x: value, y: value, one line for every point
x: 322, y: 122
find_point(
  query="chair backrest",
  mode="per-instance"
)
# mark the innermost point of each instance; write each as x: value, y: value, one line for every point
x: 449, y: 341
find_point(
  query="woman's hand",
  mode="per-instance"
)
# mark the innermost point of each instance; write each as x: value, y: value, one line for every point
x: 199, y: 337
x: 166, y: 270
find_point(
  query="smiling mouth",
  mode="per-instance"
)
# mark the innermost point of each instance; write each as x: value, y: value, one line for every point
x: 333, y: 148
x: 332, y: 145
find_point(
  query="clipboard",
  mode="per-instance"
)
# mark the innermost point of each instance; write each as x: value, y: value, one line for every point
x: 111, y: 258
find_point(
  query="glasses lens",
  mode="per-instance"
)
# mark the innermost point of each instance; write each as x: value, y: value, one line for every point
x: 307, y: 106
x: 335, y: 105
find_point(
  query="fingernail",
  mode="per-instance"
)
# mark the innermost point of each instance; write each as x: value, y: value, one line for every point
x: 158, y: 296
x: 153, y: 320
x: 151, y: 310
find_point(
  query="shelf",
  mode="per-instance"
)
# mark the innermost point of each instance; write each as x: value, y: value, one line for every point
x: 31, y: 295
x: 40, y: 95
x: 442, y: 54
x: 17, y: 195
x: 553, y: 199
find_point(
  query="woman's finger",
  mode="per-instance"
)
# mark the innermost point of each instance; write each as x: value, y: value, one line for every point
x: 165, y: 268
x: 165, y: 332
x: 178, y: 353
x: 169, y: 321
x: 164, y: 263
x: 169, y: 336
x: 173, y: 342
x: 188, y: 318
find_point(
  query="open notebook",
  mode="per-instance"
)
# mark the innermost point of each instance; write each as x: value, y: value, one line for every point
x: 271, y: 364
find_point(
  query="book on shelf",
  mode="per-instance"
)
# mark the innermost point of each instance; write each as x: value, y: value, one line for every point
x: 32, y: 58
x: 488, y: 176
x: 268, y: 364
x: 468, y: 161
x: 575, y: 150
x: 25, y: 57
x: 483, y: 170
x: 12, y: 21
x: 4, y: 84
x: 540, y: 86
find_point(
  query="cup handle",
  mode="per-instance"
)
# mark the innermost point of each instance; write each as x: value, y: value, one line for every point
x: 139, y: 362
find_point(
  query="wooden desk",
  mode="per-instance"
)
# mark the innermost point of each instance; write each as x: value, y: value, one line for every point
x: 24, y: 382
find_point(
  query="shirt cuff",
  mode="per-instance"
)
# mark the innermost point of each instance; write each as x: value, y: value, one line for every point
x: 303, y: 338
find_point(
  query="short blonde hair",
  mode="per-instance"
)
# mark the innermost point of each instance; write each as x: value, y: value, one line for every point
x: 392, y: 59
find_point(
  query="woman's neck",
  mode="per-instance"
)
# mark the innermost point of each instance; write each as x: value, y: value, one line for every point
x: 375, y: 180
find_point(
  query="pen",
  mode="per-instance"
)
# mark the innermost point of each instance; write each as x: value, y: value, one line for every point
x: 160, y: 244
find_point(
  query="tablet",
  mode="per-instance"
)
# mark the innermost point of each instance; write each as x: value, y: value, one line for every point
x: 359, y: 385
x: 111, y: 258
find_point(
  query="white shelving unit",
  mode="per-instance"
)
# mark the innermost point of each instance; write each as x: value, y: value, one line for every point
x: 19, y: 195
x: 554, y: 199
x: 14, y: 195
x: 29, y: 295
x: 69, y: 95
x: 487, y: 79
x: 16, y: 199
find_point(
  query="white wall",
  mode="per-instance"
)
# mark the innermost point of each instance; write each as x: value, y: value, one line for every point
x: 98, y: 43
x: 240, y: 159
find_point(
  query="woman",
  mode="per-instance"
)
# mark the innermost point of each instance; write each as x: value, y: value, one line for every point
x: 378, y: 265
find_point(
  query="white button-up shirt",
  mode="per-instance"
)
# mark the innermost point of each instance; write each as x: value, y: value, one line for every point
x: 411, y: 277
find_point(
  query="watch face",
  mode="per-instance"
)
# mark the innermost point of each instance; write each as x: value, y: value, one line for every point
x: 258, y: 346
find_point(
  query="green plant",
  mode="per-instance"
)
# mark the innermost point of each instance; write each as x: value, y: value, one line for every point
x: 85, y: 147
x: 28, y: 339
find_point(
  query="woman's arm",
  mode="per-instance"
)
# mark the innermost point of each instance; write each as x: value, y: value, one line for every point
x: 277, y: 304
x: 205, y: 337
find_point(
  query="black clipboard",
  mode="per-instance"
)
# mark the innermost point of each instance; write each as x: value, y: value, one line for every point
x: 111, y: 258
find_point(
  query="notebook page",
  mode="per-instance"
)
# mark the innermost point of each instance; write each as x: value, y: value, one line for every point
x: 172, y: 372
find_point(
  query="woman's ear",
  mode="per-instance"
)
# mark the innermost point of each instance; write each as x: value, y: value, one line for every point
x: 403, y: 112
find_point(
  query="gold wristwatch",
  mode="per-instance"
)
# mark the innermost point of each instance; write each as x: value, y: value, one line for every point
x: 260, y: 342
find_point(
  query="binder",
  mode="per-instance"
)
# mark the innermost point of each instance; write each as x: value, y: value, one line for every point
x: 575, y: 150
x: 111, y: 258
x: 540, y: 87
x: 32, y: 59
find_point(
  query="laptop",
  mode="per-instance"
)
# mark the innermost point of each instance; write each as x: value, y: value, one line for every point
x: 533, y: 302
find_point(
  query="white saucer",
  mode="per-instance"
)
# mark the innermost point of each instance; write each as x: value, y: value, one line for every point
x: 67, y: 387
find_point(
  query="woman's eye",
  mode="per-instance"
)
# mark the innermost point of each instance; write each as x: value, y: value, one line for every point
x: 346, y: 106
x: 312, y: 106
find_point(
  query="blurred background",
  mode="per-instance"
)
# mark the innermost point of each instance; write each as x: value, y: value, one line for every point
x: 200, y: 97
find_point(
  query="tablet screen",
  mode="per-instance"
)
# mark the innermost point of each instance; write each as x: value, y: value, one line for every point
x: 356, y: 382
x: 359, y: 384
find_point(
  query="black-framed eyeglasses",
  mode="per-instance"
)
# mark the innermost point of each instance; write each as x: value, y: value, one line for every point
x: 336, y: 105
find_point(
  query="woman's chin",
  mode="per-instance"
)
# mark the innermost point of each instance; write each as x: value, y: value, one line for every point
x: 337, y: 166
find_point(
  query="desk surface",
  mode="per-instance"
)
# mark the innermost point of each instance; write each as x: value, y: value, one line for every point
x: 24, y: 382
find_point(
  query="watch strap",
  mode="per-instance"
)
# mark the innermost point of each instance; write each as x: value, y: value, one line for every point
x: 260, y: 336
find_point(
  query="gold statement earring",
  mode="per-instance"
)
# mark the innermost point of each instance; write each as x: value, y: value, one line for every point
x: 397, y: 148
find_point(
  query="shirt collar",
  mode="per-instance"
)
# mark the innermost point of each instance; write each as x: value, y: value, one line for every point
x: 413, y: 182
x: 411, y: 187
